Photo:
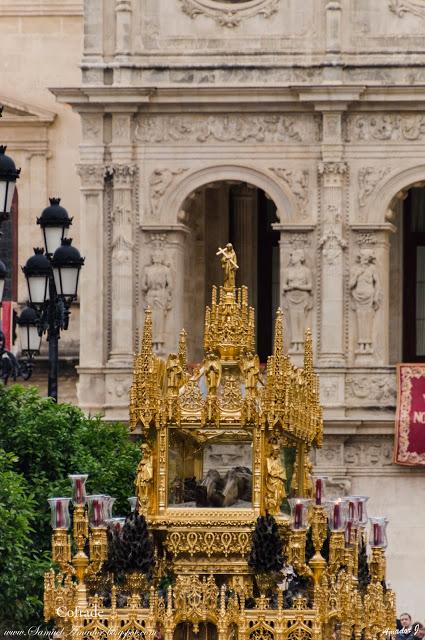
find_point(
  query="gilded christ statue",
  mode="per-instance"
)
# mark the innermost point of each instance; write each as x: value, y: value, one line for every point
x: 229, y: 264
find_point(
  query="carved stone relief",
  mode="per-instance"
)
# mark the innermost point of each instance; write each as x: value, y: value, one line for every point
x: 402, y: 7
x: 370, y: 452
x: 298, y: 298
x: 298, y: 182
x: 368, y: 178
x: 157, y: 287
x: 377, y: 391
x: 386, y: 127
x: 159, y: 182
x: 227, y: 16
x: 366, y: 295
x: 271, y: 128
x: 332, y: 245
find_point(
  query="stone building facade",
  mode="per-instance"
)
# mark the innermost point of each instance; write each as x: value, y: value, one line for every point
x: 295, y: 129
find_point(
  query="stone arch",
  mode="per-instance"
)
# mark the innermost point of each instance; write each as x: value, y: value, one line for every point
x: 378, y: 209
x: 278, y: 192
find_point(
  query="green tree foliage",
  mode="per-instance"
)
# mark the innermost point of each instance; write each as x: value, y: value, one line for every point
x: 51, y: 441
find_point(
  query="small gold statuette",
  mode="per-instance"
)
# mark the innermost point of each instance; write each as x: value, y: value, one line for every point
x: 251, y: 368
x: 230, y: 265
x: 275, y: 480
x: 144, y: 478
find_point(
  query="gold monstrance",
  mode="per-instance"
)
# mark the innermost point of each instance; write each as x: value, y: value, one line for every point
x: 225, y: 447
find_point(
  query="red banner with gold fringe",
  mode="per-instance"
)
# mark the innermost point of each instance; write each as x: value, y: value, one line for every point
x: 409, y: 446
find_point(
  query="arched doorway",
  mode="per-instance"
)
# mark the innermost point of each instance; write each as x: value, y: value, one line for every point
x: 206, y: 631
x: 240, y: 213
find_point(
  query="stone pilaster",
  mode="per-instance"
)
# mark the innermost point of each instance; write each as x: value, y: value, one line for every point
x: 123, y: 14
x: 245, y: 233
x: 122, y: 275
x: 93, y: 41
x: 92, y: 283
x: 332, y: 245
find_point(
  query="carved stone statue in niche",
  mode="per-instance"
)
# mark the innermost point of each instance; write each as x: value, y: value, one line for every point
x: 157, y: 287
x: 297, y: 289
x: 275, y: 480
x: 144, y: 478
x: 366, y: 298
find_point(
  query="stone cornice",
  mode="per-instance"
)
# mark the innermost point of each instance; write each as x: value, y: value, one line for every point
x: 323, y: 98
x: 23, y: 8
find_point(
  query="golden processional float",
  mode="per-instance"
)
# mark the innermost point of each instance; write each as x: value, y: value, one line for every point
x: 230, y: 537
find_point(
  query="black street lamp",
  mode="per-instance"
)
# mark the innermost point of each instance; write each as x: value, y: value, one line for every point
x: 52, y: 282
x: 8, y: 176
x: 54, y: 222
x: 29, y: 336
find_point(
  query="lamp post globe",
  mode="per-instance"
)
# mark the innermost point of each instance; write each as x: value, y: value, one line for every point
x: 8, y: 176
x: 37, y: 271
x: 3, y: 274
x: 54, y: 222
x: 67, y: 263
x: 29, y: 335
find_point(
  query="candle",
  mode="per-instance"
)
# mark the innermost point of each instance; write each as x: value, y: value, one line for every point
x: 59, y: 515
x: 377, y: 538
x: 319, y: 488
x: 337, y: 515
x: 348, y: 533
x: 351, y: 507
x: 79, y: 495
x: 298, y: 515
x: 97, y: 513
x: 360, y: 510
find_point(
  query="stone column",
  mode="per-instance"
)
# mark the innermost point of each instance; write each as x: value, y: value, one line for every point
x: 332, y: 245
x: 92, y: 283
x: 123, y: 22
x: 122, y: 226
x: 93, y: 40
x: 370, y: 264
x: 244, y: 203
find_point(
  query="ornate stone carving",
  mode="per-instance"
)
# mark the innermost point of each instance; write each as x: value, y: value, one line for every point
x: 332, y: 245
x: 298, y: 182
x: 157, y: 288
x: 270, y: 128
x: 123, y: 174
x: 91, y: 125
x: 371, y: 390
x: 368, y: 178
x: 297, y: 290
x: 368, y: 452
x: 401, y: 7
x: 337, y: 486
x: 93, y: 175
x: 388, y: 126
x: 226, y: 16
x: 159, y: 183
x: 366, y: 298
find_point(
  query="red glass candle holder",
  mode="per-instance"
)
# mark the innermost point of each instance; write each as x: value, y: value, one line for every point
x: 78, y: 488
x: 337, y: 515
x: 60, y: 512
x: 299, y: 511
x: 319, y: 489
x: 97, y: 510
x: 378, y: 532
x: 351, y: 503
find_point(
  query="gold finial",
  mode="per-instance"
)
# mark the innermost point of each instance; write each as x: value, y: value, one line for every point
x: 183, y: 349
x: 230, y: 265
x: 278, y: 337
x: 308, y: 356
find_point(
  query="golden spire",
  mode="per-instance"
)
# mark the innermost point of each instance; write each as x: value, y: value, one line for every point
x: 143, y: 391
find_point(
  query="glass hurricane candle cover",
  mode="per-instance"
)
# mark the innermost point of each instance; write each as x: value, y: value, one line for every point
x: 133, y: 502
x: 337, y: 511
x: 378, y: 532
x: 108, y: 507
x: 97, y: 510
x: 78, y: 488
x: 59, y: 512
x: 361, y: 509
x: 115, y: 524
x: 299, y: 511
